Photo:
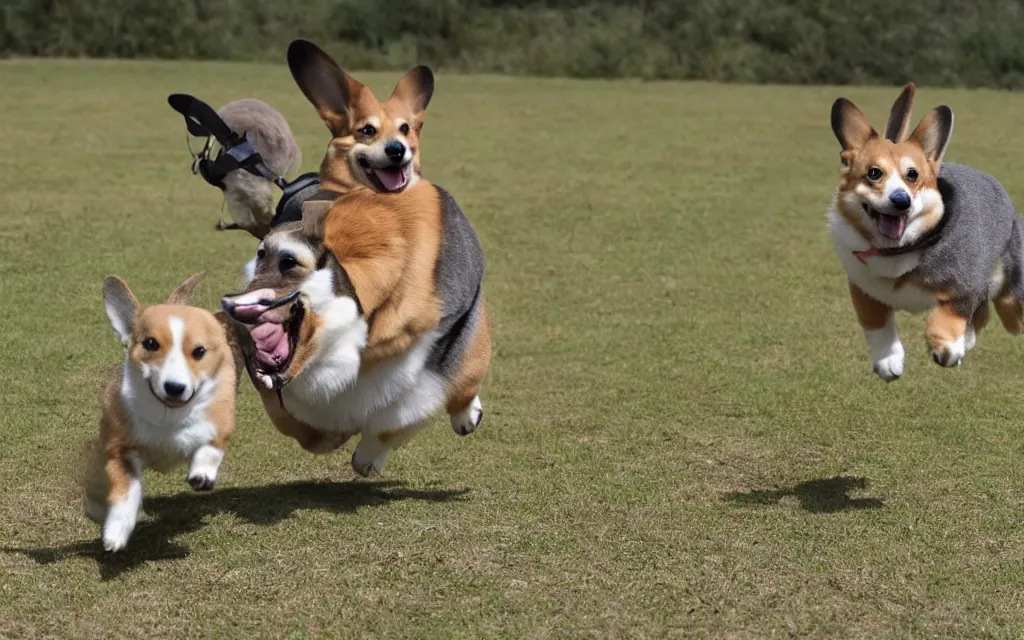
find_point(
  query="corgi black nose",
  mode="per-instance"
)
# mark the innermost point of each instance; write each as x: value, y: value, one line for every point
x: 394, y: 150
x: 900, y: 199
x: 174, y: 389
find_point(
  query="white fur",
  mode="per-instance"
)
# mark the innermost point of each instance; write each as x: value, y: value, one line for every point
x: 465, y: 422
x: 886, y: 350
x: 205, y: 465
x: 174, y: 368
x: 249, y: 271
x: 952, y: 353
x: 122, y: 515
x: 330, y: 395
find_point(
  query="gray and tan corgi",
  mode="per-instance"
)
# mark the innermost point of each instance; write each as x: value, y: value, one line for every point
x: 171, y: 401
x: 916, y: 234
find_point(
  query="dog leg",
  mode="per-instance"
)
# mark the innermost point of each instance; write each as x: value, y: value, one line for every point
x: 464, y: 406
x: 202, y: 472
x: 879, y: 324
x: 947, y: 335
x: 1011, y: 313
x: 308, y: 438
x: 978, y: 322
x: 466, y: 421
x: 374, y: 448
x: 124, y: 473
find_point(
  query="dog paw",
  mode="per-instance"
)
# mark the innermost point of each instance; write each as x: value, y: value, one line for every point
x: 367, y: 468
x: 890, y: 367
x: 950, y: 354
x: 202, y: 481
x: 466, y: 421
x: 116, y: 532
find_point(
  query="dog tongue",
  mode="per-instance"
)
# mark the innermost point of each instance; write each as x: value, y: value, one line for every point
x: 891, y: 226
x: 271, y: 342
x: 393, y: 178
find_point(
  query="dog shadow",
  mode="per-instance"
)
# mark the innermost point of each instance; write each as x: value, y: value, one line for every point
x: 172, y: 516
x: 824, y: 495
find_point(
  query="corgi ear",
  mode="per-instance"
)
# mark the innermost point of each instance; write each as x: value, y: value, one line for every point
x: 899, y: 117
x: 314, y: 216
x: 122, y: 307
x: 185, y: 289
x: 415, y: 89
x: 324, y: 84
x: 850, y: 126
x: 934, y: 132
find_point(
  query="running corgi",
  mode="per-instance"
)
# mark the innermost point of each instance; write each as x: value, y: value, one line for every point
x: 919, y: 235
x: 171, y: 400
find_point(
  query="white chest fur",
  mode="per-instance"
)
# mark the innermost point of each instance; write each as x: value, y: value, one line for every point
x: 878, y: 276
x: 166, y: 436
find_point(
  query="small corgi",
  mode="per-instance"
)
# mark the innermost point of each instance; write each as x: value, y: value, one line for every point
x: 173, y: 398
x: 918, y: 235
x: 374, y: 145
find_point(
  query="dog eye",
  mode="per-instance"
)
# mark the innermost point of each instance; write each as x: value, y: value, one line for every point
x: 287, y: 262
x: 150, y: 344
x: 199, y: 352
x: 874, y: 173
x: 369, y: 131
x: 404, y: 129
x: 912, y: 175
x: 261, y: 253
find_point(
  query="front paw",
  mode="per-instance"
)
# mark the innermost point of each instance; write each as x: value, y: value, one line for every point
x: 201, y: 481
x: 116, y: 531
x: 950, y: 354
x: 890, y: 366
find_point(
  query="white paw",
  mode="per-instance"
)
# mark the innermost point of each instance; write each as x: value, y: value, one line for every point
x: 369, y: 457
x: 119, y: 526
x: 890, y: 366
x: 466, y: 421
x: 950, y: 354
x: 202, y: 472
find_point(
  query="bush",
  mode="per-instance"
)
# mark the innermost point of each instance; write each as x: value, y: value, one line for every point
x: 961, y: 42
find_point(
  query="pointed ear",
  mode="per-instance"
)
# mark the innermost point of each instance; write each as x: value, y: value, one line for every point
x: 415, y: 89
x: 934, y: 133
x: 122, y: 307
x: 850, y: 126
x: 185, y: 289
x: 324, y: 84
x: 314, y: 217
x: 899, y: 117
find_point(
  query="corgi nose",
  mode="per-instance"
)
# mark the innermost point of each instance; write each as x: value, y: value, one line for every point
x: 174, y: 389
x: 900, y: 199
x: 394, y: 150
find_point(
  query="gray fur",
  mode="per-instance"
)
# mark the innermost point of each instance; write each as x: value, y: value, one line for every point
x: 980, y: 228
x: 459, y: 277
x: 250, y: 199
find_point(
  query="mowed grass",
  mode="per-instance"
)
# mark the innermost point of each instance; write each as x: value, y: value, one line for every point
x: 683, y: 436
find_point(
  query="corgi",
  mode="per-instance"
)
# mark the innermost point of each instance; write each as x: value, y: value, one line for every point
x: 374, y: 145
x: 367, y: 316
x: 916, y: 234
x: 172, y: 399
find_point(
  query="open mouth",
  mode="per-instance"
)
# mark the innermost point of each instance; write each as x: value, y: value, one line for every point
x: 386, y: 179
x: 273, y: 325
x: 889, y: 225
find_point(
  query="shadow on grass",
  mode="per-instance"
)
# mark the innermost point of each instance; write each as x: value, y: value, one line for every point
x: 172, y: 516
x: 825, y: 495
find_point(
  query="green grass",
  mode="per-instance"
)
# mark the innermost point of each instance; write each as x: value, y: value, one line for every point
x: 683, y: 436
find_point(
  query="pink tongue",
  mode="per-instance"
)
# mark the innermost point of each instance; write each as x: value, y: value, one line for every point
x: 392, y: 178
x: 271, y: 341
x: 891, y: 226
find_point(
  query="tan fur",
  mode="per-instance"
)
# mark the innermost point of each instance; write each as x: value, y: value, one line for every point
x: 1011, y: 313
x: 945, y: 326
x: 871, y: 313
x: 980, y: 320
x: 475, y: 364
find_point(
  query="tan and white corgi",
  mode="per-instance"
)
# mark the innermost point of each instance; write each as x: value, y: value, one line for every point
x: 374, y: 144
x: 172, y: 400
x: 915, y: 234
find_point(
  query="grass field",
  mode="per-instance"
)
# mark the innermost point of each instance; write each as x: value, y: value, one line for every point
x: 683, y: 436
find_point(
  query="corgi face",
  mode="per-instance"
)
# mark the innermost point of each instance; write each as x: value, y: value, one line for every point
x: 177, y: 350
x: 888, y: 187
x: 374, y: 144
